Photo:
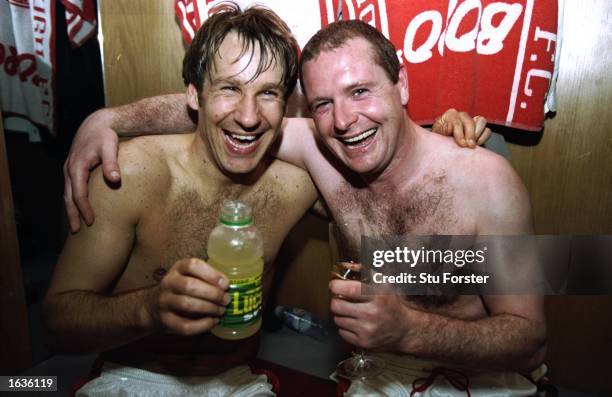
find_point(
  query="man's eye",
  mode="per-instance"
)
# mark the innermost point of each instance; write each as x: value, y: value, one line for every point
x: 359, y: 91
x: 271, y: 93
x: 319, y: 106
x: 230, y: 88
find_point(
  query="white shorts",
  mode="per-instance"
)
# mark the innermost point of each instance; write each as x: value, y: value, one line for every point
x: 122, y: 381
x: 402, y: 371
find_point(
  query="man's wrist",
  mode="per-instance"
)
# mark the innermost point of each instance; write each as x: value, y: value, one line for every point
x: 109, y: 117
x: 411, y: 340
x: 147, y: 314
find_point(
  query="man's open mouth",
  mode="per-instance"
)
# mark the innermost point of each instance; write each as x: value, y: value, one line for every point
x: 359, y: 140
x: 242, y: 143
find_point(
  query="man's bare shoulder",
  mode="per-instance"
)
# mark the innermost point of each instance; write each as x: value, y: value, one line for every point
x: 490, y: 189
x: 145, y: 172
x: 148, y: 158
x: 487, y: 172
x: 475, y: 168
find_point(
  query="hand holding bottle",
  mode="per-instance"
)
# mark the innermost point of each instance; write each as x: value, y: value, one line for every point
x: 191, y: 297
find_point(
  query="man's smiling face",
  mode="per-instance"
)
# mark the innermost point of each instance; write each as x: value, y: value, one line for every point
x: 359, y: 113
x: 240, y: 112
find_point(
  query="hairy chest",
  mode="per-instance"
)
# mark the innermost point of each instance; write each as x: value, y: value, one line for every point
x: 179, y: 226
x: 428, y: 207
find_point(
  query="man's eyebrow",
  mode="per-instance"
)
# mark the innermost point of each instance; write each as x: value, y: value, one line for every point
x: 273, y: 86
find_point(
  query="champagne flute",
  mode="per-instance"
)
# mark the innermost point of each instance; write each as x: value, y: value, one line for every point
x: 345, y: 245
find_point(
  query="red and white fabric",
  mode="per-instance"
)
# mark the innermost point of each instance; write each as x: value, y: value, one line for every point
x: 490, y: 58
x: 81, y: 20
x: 27, y: 59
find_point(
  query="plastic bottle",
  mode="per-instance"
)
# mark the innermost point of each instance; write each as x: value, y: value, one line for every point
x: 235, y: 247
x: 301, y: 321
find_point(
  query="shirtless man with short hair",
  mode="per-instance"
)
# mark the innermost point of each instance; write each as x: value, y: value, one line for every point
x: 373, y: 163
x: 131, y: 285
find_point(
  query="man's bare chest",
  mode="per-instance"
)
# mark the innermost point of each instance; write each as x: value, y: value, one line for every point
x: 179, y: 226
x: 425, y: 209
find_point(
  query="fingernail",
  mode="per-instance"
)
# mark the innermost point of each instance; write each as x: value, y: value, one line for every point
x: 472, y: 143
x: 223, y: 283
x: 463, y: 142
x: 226, y: 299
x: 114, y: 175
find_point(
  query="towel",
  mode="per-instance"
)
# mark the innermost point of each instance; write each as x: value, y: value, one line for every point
x: 27, y: 59
x: 118, y: 380
x: 407, y: 376
x: 491, y: 58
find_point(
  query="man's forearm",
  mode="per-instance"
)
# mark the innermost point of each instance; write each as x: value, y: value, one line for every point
x: 156, y: 115
x: 500, y: 342
x: 84, y: 322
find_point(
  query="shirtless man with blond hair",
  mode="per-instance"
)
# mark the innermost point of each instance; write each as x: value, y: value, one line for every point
x: 133, y: 285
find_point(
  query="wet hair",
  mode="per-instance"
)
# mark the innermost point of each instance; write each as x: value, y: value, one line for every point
x: 336, y: 34
x: 253, y: 25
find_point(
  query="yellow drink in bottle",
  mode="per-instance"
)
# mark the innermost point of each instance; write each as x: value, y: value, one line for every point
x: 235, y: 247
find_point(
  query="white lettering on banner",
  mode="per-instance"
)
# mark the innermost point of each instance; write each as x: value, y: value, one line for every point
x: 545, y: 74
x: 422, y: 53
x: 467, y: 42
x: 535, y: 73
x: 491, y: 39
x: 485, y: 38
x: 367, y: 13
x: 550, y: 38
x: 368, y: 10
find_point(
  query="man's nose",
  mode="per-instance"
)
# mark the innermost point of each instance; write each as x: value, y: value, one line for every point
x: 344, y: 116
x: 247, y: 113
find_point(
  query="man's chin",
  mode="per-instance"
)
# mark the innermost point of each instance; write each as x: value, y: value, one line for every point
x: 241, y: 166
x: 239, y: 170
x: 361, y: 166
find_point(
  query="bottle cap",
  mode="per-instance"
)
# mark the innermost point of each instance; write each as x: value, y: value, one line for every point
x: 235, y: 213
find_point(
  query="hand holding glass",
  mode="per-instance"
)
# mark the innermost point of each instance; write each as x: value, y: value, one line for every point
x: 345, y: 245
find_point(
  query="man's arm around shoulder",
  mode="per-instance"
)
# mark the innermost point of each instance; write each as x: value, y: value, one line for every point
x: 96, y: 141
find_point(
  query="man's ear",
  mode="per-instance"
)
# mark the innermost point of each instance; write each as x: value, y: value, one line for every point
x: 192, y: 97
x: 402, y: 84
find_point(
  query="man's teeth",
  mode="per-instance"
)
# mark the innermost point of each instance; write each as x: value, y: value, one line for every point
x: 361, y: 136
x: 244, y: 137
